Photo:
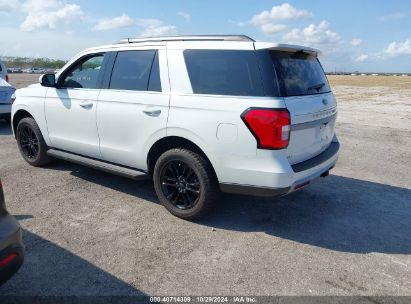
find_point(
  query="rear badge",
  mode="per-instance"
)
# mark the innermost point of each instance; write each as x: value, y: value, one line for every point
x: 325, y: 102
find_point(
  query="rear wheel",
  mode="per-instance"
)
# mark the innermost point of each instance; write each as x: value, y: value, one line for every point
x: 185, y: 183
x: 31, y: 143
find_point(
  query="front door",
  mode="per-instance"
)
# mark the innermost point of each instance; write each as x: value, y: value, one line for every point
x: 71, y: 108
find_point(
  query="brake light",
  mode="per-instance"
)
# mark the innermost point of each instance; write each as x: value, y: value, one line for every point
x: 8, y: 260
x: 6, y: 78
x: 270, y: 127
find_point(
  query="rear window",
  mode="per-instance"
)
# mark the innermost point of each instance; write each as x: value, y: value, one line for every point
x: 299, y: 73
x: 224, y: 72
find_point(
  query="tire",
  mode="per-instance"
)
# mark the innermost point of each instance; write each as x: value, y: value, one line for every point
x: 185, y: 183
x: 31, y: 143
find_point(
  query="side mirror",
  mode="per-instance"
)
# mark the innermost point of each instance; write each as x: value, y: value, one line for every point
x: 48, y: 80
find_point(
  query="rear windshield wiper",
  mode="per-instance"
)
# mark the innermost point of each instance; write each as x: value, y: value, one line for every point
x: 316, y: 87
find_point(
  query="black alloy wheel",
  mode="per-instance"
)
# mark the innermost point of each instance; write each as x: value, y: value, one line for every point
x: 185, y: 183
x: 29, y: 142
x: 180, y: 184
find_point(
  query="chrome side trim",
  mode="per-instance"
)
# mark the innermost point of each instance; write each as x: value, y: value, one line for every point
x: 310, y: 124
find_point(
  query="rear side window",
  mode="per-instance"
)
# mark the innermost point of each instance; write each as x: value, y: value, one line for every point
x: 132, y: 70
x: 299, y: 74
x: 224, y: 72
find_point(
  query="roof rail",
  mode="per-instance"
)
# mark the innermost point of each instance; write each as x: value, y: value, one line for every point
x: 189, y: 38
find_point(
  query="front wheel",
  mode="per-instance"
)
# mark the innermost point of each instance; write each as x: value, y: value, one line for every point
x: 185, y: 183
x: 31, y: 143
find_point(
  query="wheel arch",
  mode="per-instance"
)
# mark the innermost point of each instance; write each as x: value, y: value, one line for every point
x: 18, y: 116
x: 172, y: 142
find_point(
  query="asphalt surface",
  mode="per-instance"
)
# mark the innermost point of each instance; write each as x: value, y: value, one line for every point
x: 92, y: 233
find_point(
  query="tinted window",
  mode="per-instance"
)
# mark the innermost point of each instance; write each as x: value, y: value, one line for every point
x: 132, y: 70
x: 155, y: 82
x: 224, y: 72
x: 299, y: 74
x: 85, y: 74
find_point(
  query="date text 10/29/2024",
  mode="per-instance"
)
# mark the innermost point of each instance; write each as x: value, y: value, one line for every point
x: 185, y: 299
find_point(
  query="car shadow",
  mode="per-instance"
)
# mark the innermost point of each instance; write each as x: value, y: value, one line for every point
x: 50, y: 270
x: 5, y: 128
x: 143, y: 189
x: 336, y: 213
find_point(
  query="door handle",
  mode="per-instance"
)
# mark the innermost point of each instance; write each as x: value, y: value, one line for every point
x: 86, y: 105
x: 152, y: 113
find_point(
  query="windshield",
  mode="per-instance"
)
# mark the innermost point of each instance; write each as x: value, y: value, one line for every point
x: 299, y: 74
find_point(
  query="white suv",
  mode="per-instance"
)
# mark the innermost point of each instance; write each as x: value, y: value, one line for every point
x: 200, y: 114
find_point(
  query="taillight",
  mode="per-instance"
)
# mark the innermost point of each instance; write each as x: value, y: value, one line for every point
x: 6, y: 78
x: 271, y: 127
x: 8, y: 260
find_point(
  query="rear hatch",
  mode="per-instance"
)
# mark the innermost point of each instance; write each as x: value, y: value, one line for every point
x: 301, y: 81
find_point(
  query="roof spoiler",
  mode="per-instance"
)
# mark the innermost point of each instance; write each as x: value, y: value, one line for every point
x: 287, y: 48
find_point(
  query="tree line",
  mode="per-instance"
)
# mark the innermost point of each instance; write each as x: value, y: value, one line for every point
x: 25, y: 63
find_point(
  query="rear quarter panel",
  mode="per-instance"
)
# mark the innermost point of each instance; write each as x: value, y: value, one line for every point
x: 213, y: 122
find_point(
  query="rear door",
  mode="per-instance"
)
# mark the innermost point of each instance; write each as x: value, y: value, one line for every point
x: 308, y: 97
x: 133, y: 108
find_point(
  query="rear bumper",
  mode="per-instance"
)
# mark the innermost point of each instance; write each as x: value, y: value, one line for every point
x: 318, y: 160
x: 11, y: 247
x: 298, y: 176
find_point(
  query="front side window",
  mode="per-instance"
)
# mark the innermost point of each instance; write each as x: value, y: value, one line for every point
x: 85, y: 74
x: 132, y: 70
x: 224, y: 72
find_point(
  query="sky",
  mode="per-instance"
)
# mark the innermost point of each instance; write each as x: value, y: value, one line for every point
x: 353, y: 35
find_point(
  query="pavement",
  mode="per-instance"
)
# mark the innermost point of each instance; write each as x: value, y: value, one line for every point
x: 91, y: 233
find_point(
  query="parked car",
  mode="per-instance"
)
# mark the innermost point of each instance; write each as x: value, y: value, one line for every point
x: 3, y: 71
x: 6, y: 99
x: 37, y: 71
x: 199, y: 114
x: 16, y: 70
x: 11, y: 245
